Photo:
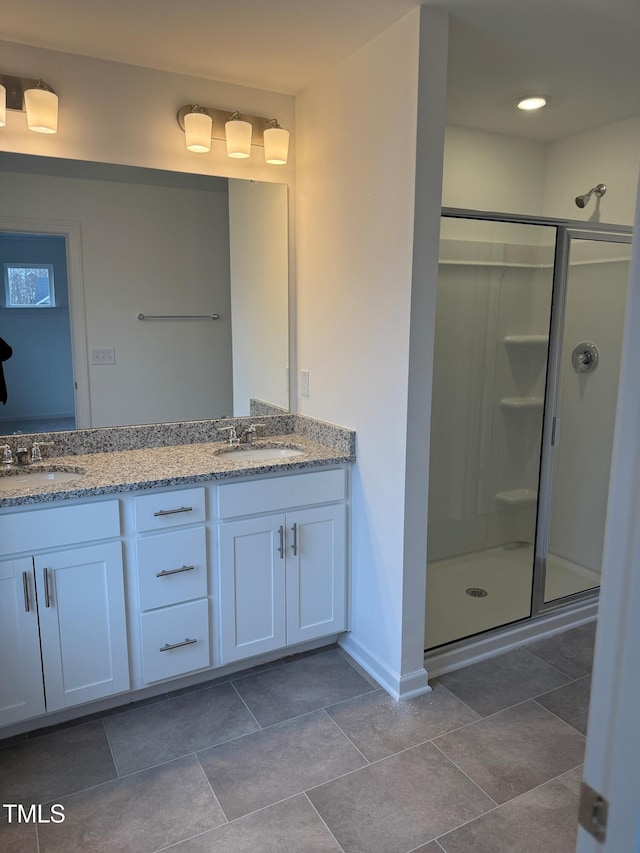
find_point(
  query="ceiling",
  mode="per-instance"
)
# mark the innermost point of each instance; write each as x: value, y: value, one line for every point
x: 583, y: 54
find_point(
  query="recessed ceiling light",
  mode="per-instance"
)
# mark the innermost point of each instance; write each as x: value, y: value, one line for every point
x: 532, y: 102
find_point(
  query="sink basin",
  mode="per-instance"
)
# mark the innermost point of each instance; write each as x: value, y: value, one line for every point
x: 234, y: 454
x: 37, y: 477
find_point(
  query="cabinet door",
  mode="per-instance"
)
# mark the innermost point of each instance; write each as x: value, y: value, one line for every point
x: 21, y: 690
x: 252, y: 587
x: 82, y: 624
x: 316, y: 573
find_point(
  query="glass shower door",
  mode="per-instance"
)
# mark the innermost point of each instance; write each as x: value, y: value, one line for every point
x: 491, y: 341
x: 580, y: 429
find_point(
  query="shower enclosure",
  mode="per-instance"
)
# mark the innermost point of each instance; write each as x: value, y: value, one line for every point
x: 529, y: 326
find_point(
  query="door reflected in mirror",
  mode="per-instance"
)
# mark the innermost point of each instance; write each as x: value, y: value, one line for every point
x: 176, y: 247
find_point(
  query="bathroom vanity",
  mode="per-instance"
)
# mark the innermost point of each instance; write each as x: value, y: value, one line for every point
x: 169, y: 564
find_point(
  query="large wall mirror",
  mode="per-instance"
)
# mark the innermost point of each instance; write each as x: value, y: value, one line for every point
x: 86, y: 249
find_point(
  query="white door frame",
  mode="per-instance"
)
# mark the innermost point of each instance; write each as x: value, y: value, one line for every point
x: 70, y: 230
x: 612, y: 762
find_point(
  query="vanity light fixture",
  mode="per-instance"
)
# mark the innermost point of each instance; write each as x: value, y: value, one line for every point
x: 276, y: 143
x: 33, y: 97
x: 532, y: 102
x: 197, y: 130
x: 238, y: 131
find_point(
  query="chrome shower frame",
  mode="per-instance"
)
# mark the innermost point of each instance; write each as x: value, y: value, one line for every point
x: 578, y: 607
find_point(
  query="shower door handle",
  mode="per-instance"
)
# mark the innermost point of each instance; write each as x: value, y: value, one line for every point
x: 555, y: 432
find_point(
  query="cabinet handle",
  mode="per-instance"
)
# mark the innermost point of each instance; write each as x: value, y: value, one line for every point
x: 281, y: 546
x: 173, y: 511
x: 168, y: 646
x: 25, y: 589
x: 294, y: 544
x: 165, y: 573
x: 47, y: 596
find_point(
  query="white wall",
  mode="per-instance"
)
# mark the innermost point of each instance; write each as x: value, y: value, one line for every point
x: 116, y: 113
x: 355, y: 235
x: 608, y: 155
x: 491, y: 171
x: 259, y: 293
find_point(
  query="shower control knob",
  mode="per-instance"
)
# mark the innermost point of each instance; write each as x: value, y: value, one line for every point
x: 585, y: 357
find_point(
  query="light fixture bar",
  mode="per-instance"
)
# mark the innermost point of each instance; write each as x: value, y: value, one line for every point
x: 16, y: 87
x: 221, y: 117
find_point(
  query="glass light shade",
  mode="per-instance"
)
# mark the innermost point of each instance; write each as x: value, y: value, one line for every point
x: 534, y: 102
x: 197, y: 131
x: 3, y: 106
x: 238, y: 135
x: 276, y: 146
x: 42, y: 110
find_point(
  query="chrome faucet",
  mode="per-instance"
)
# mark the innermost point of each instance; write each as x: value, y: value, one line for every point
x: 232, y: 438
x: 250, y: 433
x: 36, y: 450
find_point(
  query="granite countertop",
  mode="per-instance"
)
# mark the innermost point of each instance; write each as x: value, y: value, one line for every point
x: 128, y: 470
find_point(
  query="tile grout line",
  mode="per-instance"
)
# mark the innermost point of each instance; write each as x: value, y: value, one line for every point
x: 507, y: 802
x: 544, y: 708
x: 215, y: 796
x: 473, y: 782
x: 260, y: 727
x: 204, y: 832
x: 527, y: 648
x: 552, y: 665
x: 340, y: 847
x: 516, y: 704
x: 342, y: 732
x: 113, y: 758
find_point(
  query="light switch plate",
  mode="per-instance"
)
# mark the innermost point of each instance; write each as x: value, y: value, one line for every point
x: 304, y: 383
x: 103, y: 356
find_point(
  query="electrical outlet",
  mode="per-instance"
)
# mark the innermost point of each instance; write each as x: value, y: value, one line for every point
x: 304, y: 383
x: 103, y: 356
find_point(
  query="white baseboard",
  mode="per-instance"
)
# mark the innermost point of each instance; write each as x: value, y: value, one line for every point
x: 399, y: 687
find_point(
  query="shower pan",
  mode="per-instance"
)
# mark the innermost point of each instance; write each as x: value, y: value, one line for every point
x: 529, y: 323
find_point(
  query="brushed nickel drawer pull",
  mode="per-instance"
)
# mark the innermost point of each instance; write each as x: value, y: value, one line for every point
x: 170, y: 646
x: 173, y: 511
x: 25, y: 589
x: 294, y: 545
x: 47, y: 597
x: 281, y: 545
x: 166, y: 572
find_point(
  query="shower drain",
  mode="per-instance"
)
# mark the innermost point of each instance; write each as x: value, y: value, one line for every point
x: 476, y: 592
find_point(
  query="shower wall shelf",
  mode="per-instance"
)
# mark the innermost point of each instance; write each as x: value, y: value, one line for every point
x: 526, y: 340
x: 517, y: 497
x: 522, y: 402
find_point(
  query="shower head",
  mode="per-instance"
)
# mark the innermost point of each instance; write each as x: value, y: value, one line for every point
x: 583, y: 200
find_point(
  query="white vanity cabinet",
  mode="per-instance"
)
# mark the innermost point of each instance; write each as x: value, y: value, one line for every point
x: 63, y: 638
x: 282, y: 562
x: 171, y: 550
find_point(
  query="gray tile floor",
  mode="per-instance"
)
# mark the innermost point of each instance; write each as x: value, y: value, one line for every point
x: 306, y: 755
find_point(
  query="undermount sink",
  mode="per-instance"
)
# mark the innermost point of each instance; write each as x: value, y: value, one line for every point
x: 258, y: 454
x: 37, y: 477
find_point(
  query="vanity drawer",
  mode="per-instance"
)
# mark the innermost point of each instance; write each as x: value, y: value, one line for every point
x: 169, y: 509
x: 280, y: 493
x: 175, y: 640
x: 172, y: 567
